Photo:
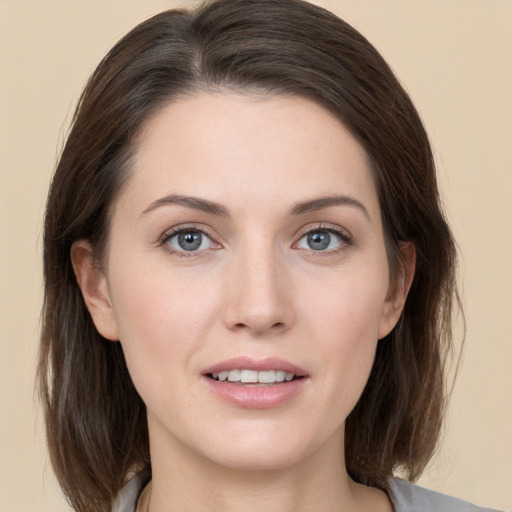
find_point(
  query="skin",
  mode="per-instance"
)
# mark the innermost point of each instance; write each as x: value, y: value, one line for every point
x: 256, y: 288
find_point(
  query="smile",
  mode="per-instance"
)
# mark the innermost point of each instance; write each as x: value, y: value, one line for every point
x: 253, y: 376
x: 254, y: 383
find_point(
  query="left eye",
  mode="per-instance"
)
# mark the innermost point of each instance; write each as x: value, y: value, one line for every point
x: 189, y: 240
x: 320, y: 240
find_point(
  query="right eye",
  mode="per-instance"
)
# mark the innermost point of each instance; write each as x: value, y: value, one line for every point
x: 188, y: 240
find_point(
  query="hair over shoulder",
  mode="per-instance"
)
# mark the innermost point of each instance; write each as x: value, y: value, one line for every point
x: 95, y: 420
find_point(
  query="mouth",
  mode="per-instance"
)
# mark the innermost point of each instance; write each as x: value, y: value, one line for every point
x: 254, y: 377
x: 256, y: 383
x: 248, y: 370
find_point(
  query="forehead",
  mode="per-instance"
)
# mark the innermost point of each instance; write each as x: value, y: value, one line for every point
x: 226, y: 146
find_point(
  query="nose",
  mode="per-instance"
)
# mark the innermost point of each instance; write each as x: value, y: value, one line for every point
x: 259, y: 293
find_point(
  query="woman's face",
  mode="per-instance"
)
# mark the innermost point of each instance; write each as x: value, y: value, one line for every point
x: 247, y: 245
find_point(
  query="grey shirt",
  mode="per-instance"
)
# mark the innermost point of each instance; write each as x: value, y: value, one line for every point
x: 406, y: 497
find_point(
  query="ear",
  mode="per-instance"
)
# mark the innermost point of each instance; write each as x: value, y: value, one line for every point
x: 398, y: 291
x: 93, y: 284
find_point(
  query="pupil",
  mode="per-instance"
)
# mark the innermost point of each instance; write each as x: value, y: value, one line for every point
x: 319, y: 240
x: 190, y: 240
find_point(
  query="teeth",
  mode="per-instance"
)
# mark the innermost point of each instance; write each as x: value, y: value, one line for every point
x: 249, y: 376
x: 267, y: 377
x: 254, y: 377
x: 234, y: 376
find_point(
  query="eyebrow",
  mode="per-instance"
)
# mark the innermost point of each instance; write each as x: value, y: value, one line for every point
x: 325, y: 202
x: 190, y: 202
x: 213, y: 208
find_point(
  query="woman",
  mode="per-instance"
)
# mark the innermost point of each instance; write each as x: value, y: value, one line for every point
x: 245, y: 201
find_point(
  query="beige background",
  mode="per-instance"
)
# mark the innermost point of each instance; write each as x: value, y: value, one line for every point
x: 454, y: 57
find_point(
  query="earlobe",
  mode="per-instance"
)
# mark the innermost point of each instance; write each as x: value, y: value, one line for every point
x: 93, y: 284
x: 398, y: 291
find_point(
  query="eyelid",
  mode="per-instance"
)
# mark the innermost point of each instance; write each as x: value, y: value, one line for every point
x: 322, y: 226
x: 346, y: 238
x: 342, y: 233
x: 175, y: 230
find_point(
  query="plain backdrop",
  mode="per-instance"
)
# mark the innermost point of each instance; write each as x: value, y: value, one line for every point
x: 453, y: 56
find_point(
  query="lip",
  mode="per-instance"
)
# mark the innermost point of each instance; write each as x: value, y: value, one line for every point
x: 250, y: 363
x: 256, y: 396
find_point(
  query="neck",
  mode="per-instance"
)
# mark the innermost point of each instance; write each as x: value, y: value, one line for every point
x: 184, y: 481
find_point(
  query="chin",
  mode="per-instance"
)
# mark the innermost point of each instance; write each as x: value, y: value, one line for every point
x: 260, y: 451
x: 252, y: 462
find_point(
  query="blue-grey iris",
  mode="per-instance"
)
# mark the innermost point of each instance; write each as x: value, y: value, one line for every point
x: 319, y: 240
x: 190, y: 240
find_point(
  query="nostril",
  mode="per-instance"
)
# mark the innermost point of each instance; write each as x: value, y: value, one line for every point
x: 257, y: 318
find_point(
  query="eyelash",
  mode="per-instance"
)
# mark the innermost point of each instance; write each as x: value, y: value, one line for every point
x: 345, y: 239
x: 168, y: 235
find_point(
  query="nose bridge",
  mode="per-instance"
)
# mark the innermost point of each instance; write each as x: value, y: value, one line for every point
x: 259, y: 300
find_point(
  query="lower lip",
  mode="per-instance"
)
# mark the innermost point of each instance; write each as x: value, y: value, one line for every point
x: 252, y: 396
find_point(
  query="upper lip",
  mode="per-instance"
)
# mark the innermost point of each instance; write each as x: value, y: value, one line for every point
x: 251, y: 363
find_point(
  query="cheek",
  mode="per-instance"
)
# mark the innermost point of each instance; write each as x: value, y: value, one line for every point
x: 153, y: 297
x: 159, y: 332
x: 343, y: 319
x: 347, y: 304
x: 161, y: 318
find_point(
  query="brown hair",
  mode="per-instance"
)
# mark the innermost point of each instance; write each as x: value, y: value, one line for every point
x: 95, y: 420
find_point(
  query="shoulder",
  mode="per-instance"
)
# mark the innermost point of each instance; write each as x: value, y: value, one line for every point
x: 407, y: 497
x: 126, y: 500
